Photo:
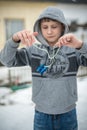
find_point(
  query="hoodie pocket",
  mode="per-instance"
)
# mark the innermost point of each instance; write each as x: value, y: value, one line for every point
x: 55, y: 93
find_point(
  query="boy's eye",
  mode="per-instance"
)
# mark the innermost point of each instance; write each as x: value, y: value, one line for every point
x: 51, y: 27
x: 54, y: 27
x: 44, y: 27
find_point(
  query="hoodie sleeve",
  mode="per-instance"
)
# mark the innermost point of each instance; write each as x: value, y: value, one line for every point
x: 11, y: 56
x: 82, y: 55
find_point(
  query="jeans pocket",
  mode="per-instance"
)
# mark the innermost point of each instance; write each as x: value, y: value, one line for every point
x: 40, y: 121
x: 70, y: 120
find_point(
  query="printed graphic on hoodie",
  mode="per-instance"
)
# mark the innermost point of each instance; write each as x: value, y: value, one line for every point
x: 57, y: 66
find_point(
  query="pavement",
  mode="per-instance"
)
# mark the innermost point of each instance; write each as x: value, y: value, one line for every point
x: 19, y: 115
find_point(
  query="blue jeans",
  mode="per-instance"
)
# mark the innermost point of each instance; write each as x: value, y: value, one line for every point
x: 66, y: 121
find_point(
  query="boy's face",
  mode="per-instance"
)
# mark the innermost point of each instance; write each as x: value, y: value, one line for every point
x: 51, y: 31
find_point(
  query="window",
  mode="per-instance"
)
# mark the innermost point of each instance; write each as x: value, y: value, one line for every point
x: 12, y: 26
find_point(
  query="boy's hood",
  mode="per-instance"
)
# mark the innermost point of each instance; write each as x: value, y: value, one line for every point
x: 53, y: 13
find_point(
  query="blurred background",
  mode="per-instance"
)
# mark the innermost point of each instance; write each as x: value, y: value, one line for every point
x: 16, y: 107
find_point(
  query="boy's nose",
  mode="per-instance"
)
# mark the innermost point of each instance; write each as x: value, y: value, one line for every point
x: 49, y: 31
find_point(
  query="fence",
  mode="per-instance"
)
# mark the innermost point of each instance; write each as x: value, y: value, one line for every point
x: 16, y: 75
x: 82, y: 71
x: 22, y: 75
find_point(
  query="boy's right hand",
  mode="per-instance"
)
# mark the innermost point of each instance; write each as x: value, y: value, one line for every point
x: 26, y: 37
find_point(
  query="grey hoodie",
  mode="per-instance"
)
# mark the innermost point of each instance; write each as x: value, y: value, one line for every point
x: 54, y: 89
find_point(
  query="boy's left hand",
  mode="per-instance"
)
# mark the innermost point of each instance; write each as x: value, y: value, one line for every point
x: 69, y: 40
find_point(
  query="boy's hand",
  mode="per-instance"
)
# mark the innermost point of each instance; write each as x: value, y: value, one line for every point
x: 69, y: 40
x: 25, y: 36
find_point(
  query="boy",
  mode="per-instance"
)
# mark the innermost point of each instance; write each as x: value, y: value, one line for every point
x: 54, y: 61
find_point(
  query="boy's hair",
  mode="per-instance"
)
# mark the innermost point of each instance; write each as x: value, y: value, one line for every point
x: 47, y: 20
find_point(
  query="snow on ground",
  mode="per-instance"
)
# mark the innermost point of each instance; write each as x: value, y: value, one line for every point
x: 82, y: 103
x: 17, y: 109
x: 8, y: 97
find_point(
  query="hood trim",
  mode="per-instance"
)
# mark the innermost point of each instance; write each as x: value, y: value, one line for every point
x: 52, y: 13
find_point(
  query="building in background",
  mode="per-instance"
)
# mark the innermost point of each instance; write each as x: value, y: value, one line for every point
x: 18, y: 15
x: 21, y: 14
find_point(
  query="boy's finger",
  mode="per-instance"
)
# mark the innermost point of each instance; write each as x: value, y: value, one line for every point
x: 68, y: 39
x: 35, y: 33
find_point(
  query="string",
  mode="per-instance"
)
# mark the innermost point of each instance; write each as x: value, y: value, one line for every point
x: 42, y: 68
x: 50, y: 57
